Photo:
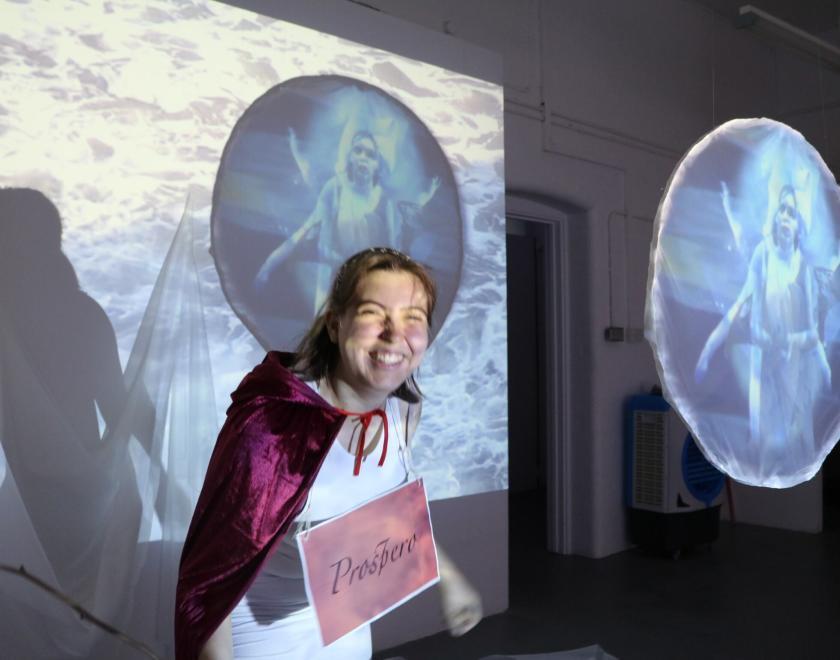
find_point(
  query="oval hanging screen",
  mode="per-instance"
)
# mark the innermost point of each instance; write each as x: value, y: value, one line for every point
x: 743, y: 302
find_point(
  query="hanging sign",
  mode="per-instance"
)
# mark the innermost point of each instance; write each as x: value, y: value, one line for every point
x: 362, y: 564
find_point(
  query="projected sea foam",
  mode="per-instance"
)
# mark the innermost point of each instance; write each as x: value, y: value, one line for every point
x: 120, y: 115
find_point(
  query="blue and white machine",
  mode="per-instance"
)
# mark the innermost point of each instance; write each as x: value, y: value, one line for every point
x: 667, y: 477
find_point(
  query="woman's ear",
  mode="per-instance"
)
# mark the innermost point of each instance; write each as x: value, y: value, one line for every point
x: 332, y: 327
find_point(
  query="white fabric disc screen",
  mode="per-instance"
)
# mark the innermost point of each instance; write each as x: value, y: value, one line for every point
x: 743, y: 306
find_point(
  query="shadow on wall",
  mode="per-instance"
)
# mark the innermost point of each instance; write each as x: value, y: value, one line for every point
x: 58, y: 363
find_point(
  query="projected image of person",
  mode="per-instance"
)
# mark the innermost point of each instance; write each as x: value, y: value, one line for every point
x: 788, y: 365
x: 315, y: 170
x: 290, y: 452
x: 352, y: 211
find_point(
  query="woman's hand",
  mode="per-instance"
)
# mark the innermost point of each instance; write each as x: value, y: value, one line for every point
x: 765, y: 341
x: 220, y: 644
x: 461, y: 604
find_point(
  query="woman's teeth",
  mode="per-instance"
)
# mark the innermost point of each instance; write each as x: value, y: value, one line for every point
x: 386, y: 358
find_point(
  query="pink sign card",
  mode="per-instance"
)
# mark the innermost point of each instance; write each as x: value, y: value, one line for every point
x: 364, y: 563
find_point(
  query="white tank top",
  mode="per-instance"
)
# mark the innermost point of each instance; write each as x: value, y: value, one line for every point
x: 336, y: 490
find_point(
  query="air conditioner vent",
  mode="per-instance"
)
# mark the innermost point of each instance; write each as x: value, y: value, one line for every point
x: 649, y: 430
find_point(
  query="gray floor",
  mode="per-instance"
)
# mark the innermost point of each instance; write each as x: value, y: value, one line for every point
x: 755, y: 593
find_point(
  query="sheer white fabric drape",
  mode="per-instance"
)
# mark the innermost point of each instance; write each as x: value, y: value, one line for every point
x: 100, y: 517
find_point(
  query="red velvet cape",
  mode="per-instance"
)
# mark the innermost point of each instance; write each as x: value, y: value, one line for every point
x: 277, y: 433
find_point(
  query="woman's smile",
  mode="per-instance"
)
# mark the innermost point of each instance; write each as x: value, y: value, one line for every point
x: 386, y: 358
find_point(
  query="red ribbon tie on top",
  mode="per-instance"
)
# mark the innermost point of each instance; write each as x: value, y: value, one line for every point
x: 365, y: 419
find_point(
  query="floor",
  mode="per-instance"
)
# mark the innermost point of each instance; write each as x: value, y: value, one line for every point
x: 754, y: 593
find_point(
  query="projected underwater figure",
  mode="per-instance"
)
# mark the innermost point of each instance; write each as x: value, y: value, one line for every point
x: 352, y: 212
x: 788, y: 365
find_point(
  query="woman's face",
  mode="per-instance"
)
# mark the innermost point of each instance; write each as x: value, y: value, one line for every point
x: 787, y: 220
x: 363, y: 159
x: 383, y: 335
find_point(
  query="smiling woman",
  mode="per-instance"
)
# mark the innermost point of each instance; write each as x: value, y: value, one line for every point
x: 376, y: 320
x: 382, y: 338
x: 293, y: 449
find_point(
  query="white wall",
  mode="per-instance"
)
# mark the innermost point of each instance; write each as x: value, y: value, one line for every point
x: 602, y: 99
x: 798, y: 508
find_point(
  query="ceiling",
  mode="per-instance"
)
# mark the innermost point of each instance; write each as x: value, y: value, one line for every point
x: 819, y: 17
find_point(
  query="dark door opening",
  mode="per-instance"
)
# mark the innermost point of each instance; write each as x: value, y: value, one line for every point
x: 527, y: 440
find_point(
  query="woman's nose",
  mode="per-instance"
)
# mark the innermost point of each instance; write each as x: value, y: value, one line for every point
x: 389, y: 327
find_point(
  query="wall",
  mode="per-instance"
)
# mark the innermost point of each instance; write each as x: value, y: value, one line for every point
x: 798, y: 508
x: 602, y: 99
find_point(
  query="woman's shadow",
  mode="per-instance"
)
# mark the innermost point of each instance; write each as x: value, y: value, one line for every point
x: 59, y: 364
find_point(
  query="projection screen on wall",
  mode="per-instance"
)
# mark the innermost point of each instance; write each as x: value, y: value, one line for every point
x: 171, y: 208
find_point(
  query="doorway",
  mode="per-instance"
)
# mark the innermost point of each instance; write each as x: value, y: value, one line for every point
x: 535, y: 380
x: 527, y: 442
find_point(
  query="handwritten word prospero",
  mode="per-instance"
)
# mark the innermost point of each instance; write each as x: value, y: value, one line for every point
x: 383, y: 554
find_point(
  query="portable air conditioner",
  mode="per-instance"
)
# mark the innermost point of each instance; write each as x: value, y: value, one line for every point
x: 672, y: 492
